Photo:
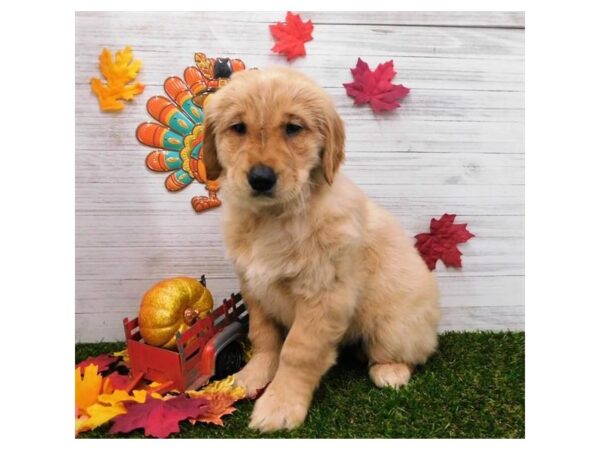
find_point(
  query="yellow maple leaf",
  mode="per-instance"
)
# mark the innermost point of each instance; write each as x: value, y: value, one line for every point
x: 120, y: 396
x: 80, y: 424
x: 155, y: 386
x: 123, y: 69
x: 226, y: 385
x: 107, y: 407
x: 247, y: 349
x: 122, y: 354
x: 98, y: 414
x: 118, y: 73
x: 87, y: 386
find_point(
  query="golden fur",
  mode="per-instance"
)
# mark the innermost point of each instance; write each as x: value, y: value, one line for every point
x: 319, y: 263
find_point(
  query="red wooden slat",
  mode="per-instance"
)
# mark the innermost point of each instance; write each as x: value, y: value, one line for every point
x: 134, y: 382
x: 194, y: 346
x: 136, y: 336
x: 163, y: 388
x: 194, y: 330
x: 129, y: 326
x: 218, y: 311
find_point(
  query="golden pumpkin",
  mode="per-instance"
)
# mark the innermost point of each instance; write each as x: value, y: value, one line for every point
x: 172, y: 305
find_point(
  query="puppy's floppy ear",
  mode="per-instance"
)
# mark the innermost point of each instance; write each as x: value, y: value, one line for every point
x: 335, y: 138
x: 209, y: 151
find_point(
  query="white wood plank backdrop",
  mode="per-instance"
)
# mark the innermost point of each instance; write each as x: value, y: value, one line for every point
x: 455, y: 146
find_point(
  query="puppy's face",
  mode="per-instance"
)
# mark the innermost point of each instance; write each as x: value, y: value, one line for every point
x: 269, y: 134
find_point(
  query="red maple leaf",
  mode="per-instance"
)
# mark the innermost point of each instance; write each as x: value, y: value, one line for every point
x: 441, y: 242
x: 159, y: 418
x: 291, y: 36
x: 375, y: 87
x: 119, y: 381
x: 102, y: 361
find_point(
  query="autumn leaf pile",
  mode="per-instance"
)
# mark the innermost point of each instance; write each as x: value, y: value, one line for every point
x: 102, y: 396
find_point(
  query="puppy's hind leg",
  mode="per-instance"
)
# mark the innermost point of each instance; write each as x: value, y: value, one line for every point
x: 397, y: 344
x: 392, y: 375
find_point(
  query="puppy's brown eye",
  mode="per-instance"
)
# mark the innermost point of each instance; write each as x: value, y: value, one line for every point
x: 239, y: 128
x: 292, y: 129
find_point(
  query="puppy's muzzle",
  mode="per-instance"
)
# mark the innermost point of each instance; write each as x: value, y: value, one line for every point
x: 262, y: 179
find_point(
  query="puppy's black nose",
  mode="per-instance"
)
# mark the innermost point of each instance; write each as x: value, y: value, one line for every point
x: 262, y: 178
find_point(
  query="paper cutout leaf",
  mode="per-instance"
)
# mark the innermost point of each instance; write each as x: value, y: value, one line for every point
x: 99, y: 414
x: 441, y: 242
x: 123, y: 354
x: 102, y: 361
x: 226, y: 385
x: 219, y: 405
x: 80, y: 424
x: 376, y: 87
x: 88, y: 386
x: 119, y: 381
x: 121, y: 396
x: 118, y: 74
x: 291, y: 35
x: 108, y: 406
x: 157, y: 417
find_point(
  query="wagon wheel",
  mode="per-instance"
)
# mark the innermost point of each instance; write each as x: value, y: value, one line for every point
x: 229, y: 360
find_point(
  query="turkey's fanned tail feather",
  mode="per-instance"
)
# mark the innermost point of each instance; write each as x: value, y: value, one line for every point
x: 179, y: 93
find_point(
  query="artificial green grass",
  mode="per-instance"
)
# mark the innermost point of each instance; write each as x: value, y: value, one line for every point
x: 473, y: 387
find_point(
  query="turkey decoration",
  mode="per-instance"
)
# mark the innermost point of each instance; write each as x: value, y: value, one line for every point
x: 178, y: 135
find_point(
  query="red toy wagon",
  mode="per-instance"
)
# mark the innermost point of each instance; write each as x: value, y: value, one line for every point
x: 211, y: 347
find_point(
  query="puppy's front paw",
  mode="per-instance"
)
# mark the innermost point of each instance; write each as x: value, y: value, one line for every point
x: 278, y: 410
x: 253, y: 377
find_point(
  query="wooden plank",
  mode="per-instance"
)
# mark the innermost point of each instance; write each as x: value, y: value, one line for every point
x: 124, y: 295
x: 364, y: 167
x: 475, y: 291
x: 496, y: 318
x: 95, y: 327
x: 494, y: 19
x: 499, y: 19
x: 422, y: 105
x: 139, y: 230
x: 408, y: 131
x: 484, y: 256
x: 150, y: 197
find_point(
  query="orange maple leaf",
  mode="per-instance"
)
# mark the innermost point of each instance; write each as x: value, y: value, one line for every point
x: 219, y: 405
x: 221, y: 395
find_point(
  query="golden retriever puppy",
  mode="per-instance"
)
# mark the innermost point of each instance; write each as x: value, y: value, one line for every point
x: 319, y: 263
